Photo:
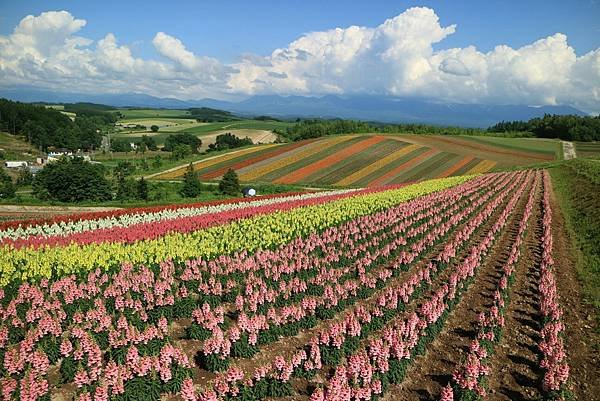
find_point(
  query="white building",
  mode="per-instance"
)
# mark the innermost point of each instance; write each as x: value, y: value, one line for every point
x: 15, y: 164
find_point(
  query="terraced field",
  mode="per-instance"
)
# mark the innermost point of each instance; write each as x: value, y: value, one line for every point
x: 366, y: 160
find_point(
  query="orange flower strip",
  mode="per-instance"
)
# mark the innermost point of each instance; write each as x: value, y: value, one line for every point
x: 306, y: 151
x: 453, y: 169
x: 405, y: 166
x: 247, y: 162
x: 381, y: 163
x: 302, y: 173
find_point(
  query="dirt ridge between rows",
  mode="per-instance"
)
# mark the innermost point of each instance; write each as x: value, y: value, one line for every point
x: 433, y: 370
x: 514, y: 366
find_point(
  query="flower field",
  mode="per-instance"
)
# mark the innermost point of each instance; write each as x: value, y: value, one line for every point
x: 344, y: 160
x: 314, y: 296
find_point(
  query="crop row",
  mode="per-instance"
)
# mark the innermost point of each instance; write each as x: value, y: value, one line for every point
x: 469, y: 377
x: 107, y: 332
x: 331, y: 345
x: 334, y: 286
x: 66, y: 225
x: 553, y: 360
x: 258, y: 232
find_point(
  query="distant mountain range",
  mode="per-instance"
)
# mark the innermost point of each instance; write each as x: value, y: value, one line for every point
x: 363, y: 107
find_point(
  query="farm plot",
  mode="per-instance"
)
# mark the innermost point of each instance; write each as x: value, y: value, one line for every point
x: 313, y: 296
x: 587, y: 149
x: 345, y: 160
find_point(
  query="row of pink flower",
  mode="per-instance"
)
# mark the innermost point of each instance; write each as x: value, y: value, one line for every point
x: 400, y: 337
x: 45, y: 308
x: 69, y: 218
x: 554, y: 359
x: 335, y: 291
x: 347, y: 241
x: 185, y: 224
x: 468, y: 376
x: 337, y: 333
x: 47, y: 319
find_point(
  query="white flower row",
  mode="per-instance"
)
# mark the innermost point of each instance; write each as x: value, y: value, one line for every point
x: 71, y: 227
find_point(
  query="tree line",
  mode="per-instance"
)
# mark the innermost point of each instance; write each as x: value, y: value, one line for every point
x: 566, y: 127
x: 45, y: 127
x: 316, y: 128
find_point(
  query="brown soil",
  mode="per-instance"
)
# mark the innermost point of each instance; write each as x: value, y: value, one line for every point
x: 432, y: 371
x: 582, y: 335
x: 514, y: 371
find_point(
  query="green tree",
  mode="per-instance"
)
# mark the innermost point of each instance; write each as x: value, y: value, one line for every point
x: 142, y: 189
x: 181, y: 152
x: 182, y: 139
x: 229, y: 141
x: 154, y: 128
x: 157, y: 161
x: 120, y: 145
x: 72, y: 180
x: 125, y: 186
x: 230, y: 184
x: 25, y: 177
x: 149, y: 142
x: 7, y: 188
x: 192, y: 187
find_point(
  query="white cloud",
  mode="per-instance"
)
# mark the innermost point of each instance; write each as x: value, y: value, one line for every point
x: 394, y: 58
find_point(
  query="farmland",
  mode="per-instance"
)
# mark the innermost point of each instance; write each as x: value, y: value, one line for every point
x: 371, y: 160
x: 375, y: 293
x: 174, y: 121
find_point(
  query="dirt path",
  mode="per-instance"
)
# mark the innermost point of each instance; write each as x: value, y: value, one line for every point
x: 514, y: 372
x: 432, y: 371
x: 582, y: 334
x: 568, y: 150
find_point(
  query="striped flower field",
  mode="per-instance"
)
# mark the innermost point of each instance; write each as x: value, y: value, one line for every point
x: 348, y: 160
x: 338, y: 295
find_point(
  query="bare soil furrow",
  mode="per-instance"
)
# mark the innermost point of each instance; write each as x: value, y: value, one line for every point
x: 432, y: 371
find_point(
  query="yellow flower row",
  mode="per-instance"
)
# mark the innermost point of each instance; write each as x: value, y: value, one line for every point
x: 482, y: 167
x: 259, y: 232
x: 379, y: 164
x: 176, y: 173
x: 307, y: 151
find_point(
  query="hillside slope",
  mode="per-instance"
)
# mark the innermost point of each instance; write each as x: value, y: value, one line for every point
x: 368, y: 160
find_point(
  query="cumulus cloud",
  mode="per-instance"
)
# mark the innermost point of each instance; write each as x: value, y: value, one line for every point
x: 395, y: 58
x: 45, y: 51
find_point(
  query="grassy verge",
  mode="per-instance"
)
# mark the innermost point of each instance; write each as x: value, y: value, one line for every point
x: 160, y: 192
x: 577, y: 186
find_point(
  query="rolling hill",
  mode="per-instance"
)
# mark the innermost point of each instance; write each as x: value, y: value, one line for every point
x: 371, y: 160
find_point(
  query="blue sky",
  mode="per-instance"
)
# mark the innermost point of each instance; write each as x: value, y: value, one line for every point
x: 225, y: 49
x: 226, y: 29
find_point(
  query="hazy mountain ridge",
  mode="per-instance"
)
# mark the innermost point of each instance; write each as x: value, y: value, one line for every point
x: 363, y: 107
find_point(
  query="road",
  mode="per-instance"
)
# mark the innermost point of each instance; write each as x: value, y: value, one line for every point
x: 569, y: 150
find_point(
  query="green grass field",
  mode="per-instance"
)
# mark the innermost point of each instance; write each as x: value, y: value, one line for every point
x: 198, y: 129
x: 587, y: 149
x: 153, y: 113
x: 577, y: 185
x: 538, y: 145
x: 15, y: 148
